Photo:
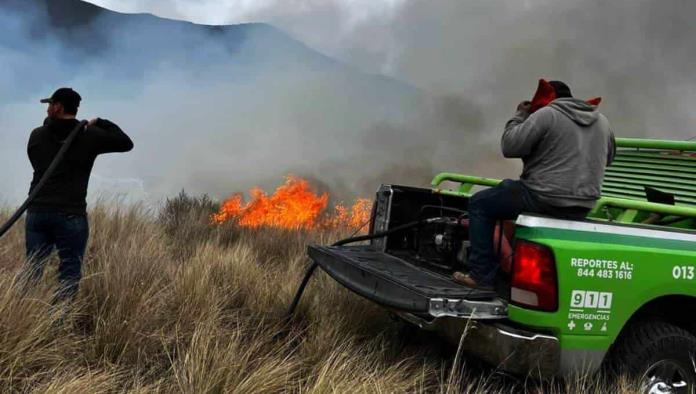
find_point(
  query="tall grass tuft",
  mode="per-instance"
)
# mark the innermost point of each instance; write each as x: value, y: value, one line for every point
x: 171, y: 303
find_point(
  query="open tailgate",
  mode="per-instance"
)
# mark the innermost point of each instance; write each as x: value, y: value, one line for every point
x: 403, y: 286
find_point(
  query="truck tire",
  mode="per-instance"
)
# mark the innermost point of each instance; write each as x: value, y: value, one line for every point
x: 660, y: 354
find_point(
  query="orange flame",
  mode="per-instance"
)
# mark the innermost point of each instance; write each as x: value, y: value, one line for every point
x: 353, y: 218
x: 292, y: 206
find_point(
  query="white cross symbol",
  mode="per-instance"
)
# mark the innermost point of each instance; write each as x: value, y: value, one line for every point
x: 571, y: 325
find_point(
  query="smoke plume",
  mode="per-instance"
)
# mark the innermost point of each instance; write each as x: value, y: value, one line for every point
x: 217, y: 115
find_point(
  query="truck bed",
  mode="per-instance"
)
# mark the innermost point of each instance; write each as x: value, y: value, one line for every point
x: 400, y: 284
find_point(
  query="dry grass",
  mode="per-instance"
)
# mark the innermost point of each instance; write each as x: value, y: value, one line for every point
x: 171, y: 304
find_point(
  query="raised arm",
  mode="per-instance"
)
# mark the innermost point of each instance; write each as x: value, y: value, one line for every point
x: 107, y: 137
x: 523, y: 132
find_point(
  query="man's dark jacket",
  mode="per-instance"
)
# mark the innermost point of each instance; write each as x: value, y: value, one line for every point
x: 66, y: 189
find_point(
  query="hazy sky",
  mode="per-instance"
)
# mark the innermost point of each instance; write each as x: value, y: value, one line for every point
x: 238, y: 11
x: 637, y: 54
x: 356, y: 31
x: 476, y: 58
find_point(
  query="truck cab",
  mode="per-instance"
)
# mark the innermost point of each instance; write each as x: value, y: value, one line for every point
x: 616, y: 290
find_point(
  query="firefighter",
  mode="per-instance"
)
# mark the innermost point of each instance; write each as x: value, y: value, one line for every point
x: 57, y: 217
x: 565, y: 147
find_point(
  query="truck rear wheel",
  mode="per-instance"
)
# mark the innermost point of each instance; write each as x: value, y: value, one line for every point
x: 661, y: 355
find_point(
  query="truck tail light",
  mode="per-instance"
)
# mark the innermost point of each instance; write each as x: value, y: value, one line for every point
x: 534, y: 279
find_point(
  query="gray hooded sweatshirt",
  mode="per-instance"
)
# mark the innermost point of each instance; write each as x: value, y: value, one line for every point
x: 565, y: 148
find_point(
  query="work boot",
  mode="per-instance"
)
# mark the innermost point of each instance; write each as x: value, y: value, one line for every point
x: 468, y: 281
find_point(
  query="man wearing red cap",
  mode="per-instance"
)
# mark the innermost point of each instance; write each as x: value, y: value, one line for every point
x: 565, y: 145
x: 57, y: 217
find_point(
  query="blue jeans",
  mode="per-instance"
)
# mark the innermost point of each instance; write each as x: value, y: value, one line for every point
x: 504, y: 202
x: 65, y: 232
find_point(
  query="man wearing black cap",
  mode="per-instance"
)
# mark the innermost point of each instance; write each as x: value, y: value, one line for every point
x: 565, y: 147
x: 57, y: 217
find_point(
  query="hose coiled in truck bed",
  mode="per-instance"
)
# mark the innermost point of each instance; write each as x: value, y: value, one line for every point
x: 313, y: 265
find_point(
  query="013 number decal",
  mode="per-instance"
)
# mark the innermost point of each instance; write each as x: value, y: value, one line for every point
x: 684, y: 272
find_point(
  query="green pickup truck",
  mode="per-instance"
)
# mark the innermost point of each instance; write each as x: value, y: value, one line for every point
x: 615, y: 290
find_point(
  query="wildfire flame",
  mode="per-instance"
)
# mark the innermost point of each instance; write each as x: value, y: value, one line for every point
x: 292, y: 206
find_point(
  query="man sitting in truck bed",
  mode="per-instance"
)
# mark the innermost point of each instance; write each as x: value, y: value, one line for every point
x: 565, y: 148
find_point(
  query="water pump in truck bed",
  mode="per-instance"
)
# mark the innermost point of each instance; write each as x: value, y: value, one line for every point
x: 443, y: 244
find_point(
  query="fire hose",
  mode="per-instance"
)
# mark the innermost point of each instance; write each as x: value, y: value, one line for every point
x: 47, y: 174
x: 313, y: 265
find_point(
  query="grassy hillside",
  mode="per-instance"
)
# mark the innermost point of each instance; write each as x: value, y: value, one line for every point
x: 170, y: 303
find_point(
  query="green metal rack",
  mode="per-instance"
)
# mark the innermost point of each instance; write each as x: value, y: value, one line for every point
x: 669, y: 166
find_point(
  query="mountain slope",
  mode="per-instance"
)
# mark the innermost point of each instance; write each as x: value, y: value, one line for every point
x: 214, y: 109
x: 87, y: 30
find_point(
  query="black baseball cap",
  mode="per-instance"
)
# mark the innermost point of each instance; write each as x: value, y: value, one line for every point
x: 561, y: 88
x: 65, y: 96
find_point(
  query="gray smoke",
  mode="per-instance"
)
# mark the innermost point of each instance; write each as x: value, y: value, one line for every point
x: 214, y: 126
x: 206, y: 120
x: 637, y: 54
